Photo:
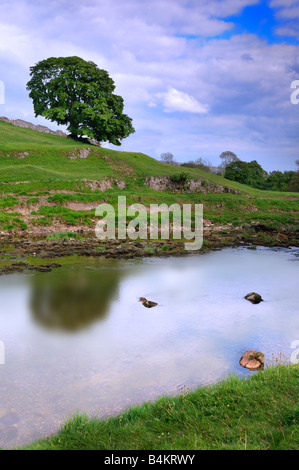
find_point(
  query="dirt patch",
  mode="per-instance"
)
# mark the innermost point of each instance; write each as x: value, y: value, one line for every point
x: 82, y: 206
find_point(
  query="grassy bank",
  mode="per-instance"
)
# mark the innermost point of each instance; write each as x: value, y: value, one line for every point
x: 260, y: 412
x: 46, y: 187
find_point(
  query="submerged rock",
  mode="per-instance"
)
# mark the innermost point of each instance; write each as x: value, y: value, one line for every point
x: 147, y: 303
x: 252, y: 360
x: 253, y: 297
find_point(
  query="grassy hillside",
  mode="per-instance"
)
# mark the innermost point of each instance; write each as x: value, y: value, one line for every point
x: 44, y: 184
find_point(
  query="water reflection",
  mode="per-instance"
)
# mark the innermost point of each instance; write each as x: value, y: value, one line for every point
x: 77, y: 339
x: 70, y: 300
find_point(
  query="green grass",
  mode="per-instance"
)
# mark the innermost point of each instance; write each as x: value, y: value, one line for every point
x: 63, y: 236
x: 259, y: 413
x: 8, y: 202
x: 47, y: 171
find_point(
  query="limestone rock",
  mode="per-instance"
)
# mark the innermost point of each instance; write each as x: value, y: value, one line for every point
x: 252, y: 360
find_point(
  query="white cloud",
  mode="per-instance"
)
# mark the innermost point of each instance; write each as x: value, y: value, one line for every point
x: 175, y: 100
x: 198, y: 93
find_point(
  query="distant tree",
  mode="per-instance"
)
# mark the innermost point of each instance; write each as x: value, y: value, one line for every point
x: 203, y: 164
x: 200, y: 163
x: 189, y: 164
x: 279, y: 181
x: 250, y: 173
x: 168, y: 158
x: 78, y: 94
x: 237, y: 171
x: 294, y: 181
x: 228, y: 157
x: 256, y: 175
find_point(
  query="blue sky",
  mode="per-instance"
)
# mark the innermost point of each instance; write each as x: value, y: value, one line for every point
x: 197, y: 76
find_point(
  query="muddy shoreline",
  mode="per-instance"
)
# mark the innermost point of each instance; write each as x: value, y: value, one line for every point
x: 23, y: 247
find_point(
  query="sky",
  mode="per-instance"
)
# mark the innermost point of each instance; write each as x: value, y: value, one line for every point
x: 198, y: 77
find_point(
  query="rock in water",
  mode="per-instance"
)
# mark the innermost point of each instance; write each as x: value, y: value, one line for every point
x: 253, y: 297
x: 147, y: 303
x: 252, y: 360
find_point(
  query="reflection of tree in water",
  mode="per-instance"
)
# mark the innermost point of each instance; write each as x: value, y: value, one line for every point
x: 71, y: 300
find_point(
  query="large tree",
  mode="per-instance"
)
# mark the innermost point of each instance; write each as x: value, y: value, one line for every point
x: 76, y: 93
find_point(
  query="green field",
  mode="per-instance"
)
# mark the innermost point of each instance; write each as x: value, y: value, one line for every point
x: 40, y: 186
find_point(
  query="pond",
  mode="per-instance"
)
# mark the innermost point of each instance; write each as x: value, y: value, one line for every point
x: 78, y: 340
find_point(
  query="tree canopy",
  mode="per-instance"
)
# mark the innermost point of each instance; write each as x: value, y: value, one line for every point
x: 228, y: 157
x: 253, y: 175
x: 74, y: 92
x: 250, y: 173
x: 168, y: 158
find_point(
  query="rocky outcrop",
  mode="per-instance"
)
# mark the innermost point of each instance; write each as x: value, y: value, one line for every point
x: 104, y: 184
x: 45, y: 130
x: 163, y: 183
x: 79, y: 153
x: 29, y: 125
x: 252, y: 360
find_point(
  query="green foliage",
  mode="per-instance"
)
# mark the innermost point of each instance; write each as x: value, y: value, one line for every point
x: 180, y: 179
x: 200, y: 163
x: 294, y: 182
x: 11, y: 221
x: 150, y: 250
x: 253, y: 175
x: 246, y: 173
x: 63, y: 236
x: 73, y: 92
x: 228, y: 157
x: 9, y: 201
x: 71, y: 217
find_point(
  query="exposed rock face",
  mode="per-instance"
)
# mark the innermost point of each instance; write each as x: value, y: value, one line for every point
x: 162, y: 183
x: 104, y: 184
x: 44, y: 129
x: 253, y: 297
x: 252, y: 360
x: 29, y: 125
x: 79, y: 153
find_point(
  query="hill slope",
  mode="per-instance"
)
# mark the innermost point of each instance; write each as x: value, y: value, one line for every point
x: 50, y: 183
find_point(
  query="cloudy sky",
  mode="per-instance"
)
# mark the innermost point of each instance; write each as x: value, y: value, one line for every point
x: 197, y: 76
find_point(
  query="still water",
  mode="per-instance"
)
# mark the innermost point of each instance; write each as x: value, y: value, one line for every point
x: 77, y: 339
